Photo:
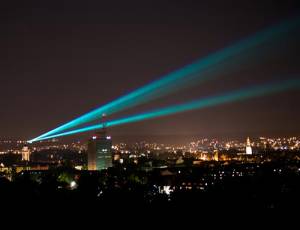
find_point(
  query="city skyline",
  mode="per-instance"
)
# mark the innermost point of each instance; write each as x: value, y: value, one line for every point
x: 169, y: 106
x: 47, y: 81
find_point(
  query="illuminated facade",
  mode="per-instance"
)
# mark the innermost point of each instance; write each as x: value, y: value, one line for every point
x: 100, y: 151
x: 216, y: 155
x: 26, y: 153
x: 248, y: 147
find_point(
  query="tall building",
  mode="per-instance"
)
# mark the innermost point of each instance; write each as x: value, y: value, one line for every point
x: 248, y: 147
x: 26, y: 153
x: 100, y: 154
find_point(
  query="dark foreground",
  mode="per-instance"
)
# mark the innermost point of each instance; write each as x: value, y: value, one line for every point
x: 218, y: 186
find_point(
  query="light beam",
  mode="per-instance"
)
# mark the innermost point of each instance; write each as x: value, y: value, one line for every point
x: 199, y: 70
x: 237, y: 95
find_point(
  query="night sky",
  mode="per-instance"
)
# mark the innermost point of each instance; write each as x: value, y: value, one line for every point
x: 60, y: 59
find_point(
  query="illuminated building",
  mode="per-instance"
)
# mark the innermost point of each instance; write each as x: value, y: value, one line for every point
x: 216, y: 155
x: 179, y: 161
x: 117, y: 157
x: 26, y: 153
x: 248, y: 147
x: 100, y: 151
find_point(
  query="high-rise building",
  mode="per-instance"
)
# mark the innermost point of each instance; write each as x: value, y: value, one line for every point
x: 26, y: 153
x: 248, y: 147
x: 100, y: 154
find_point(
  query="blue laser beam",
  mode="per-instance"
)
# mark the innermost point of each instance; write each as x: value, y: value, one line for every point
x: 237, y: 95
x: 172, y: 81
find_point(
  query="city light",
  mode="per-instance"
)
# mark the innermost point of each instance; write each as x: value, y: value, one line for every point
x: 237, y: 95
x: 73, y: 185
x: 82, y: 84
x: 211, y: 66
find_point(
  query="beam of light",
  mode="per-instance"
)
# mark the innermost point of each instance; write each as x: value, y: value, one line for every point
x: 237, y: 95
x: 199, y: 70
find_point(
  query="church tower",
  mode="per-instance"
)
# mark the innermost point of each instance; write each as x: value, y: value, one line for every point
x: 248, y: 147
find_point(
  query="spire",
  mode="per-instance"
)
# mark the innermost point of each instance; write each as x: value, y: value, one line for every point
x: 248, y: 142
x: 103, y: 131
x: 248, y: 147
x: 103, y: 121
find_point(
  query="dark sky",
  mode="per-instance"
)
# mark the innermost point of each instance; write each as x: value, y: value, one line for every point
x: 60, y: 59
